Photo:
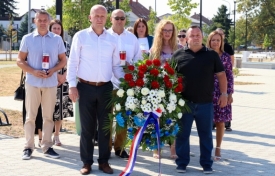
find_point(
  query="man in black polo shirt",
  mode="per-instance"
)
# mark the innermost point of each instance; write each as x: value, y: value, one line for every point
x: 229, y: 50
x: 198, y: 65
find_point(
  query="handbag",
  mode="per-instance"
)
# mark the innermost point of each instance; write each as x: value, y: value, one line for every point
x: 19, y: 93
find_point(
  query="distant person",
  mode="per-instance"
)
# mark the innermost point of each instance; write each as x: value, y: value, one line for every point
x: 182, y: 37
x: 142, y: 33
x: 229, y: 50
x: 41, y: 85
x: 128, y: 43
x: 221, y: 115
x: 94, y: 58
x: 130, y: 29
x: 198, y: 64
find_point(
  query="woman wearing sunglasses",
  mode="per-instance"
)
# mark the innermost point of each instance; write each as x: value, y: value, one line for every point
x: 182, y: 37
x: 141, y: 32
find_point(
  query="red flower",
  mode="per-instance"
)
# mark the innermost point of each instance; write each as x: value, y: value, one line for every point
x: 139, y: 82
x: 154, y: 85
x: 180, y: 80
x: 179, y: 88
x: 149, y: 62
x: 131, y: 83
x: 166, y: 65
x: 166, y: 78
x: 141, y: 74
x: 142, y: 68
x: 168, y: 84
x: 170, y: 71
x: 157, y: 62
x: 128, y: 76
x: 131, y: 67
x: 154, y: 72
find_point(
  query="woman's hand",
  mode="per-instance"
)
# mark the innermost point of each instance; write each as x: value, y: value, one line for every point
x: 229, y: 99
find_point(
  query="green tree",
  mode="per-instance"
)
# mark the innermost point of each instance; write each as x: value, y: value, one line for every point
x: 8, y: 7
x: 181, y: 10
x: 152, y: 22
x: 267, y: 42
x: 23, y: 30
x: 222, y: 20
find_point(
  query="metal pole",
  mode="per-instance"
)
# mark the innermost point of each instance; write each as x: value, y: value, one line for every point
x: 58, y: 9
x: 201, y: 14
x: 29, y: 17
x: 10, y: 44
x: 234, y: 35
x: 156, y: 6
x: 117, y: 4
x: 245, y: 30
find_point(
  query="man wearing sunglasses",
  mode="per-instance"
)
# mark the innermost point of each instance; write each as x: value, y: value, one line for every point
x: 127, y: 42
x: 182, y: 37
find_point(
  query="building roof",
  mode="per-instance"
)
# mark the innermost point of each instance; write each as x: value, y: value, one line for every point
x: 204, y: 19
x: 139, y: 10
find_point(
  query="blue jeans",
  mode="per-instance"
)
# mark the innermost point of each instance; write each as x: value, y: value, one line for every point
x: 202, y: 113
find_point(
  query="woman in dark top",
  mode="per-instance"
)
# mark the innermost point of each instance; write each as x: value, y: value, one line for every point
x: 141, y: 32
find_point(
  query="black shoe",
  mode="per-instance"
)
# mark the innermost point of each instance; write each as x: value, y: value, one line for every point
x: 27, y: 153
x: 228, y: 129
x: 51, y: 153
x: 123, y: 154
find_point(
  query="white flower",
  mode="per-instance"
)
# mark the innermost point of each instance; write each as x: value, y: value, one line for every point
x: 173, y: 97
x: 171, y: 107
x: 181, y: 102
x: 161, y: 93
x: 161, y: 107
x: 153, y: 93
x: 180, y: 115
x: 118, y: 107
x: 120, y: 92
x: 145, y: 91
x: 143, y: 102
x: 155, y: 106
x: 130, y: 92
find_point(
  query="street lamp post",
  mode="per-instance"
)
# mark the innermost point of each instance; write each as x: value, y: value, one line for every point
x: 234, y: 35
x: 201, y: 14
x: 117, y: 4
x: 246, y: 30
x: 58, y: 4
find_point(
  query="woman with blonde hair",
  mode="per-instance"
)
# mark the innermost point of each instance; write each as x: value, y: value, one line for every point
x: 164, y: 45
x: 221, y: 115
x: 165, y: 41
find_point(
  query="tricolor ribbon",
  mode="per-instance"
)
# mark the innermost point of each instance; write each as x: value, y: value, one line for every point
x: 137, y: 138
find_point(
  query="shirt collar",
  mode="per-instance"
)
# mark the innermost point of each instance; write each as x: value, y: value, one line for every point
x: 186, y: 48
x: 112, y: 31
x: 35, y: 33
x: 90, y: 29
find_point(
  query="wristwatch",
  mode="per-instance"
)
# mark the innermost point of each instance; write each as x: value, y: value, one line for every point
x: 224, y: 94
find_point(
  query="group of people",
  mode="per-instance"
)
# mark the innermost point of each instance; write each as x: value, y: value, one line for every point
x: 93, y: 73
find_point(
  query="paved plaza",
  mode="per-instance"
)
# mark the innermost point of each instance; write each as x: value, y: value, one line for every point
x: 249, y: 150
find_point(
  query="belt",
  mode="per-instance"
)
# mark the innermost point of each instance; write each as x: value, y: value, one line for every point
x: 92, y: 83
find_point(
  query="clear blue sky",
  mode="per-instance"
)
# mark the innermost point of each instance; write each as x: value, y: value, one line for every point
x: 208, y: 10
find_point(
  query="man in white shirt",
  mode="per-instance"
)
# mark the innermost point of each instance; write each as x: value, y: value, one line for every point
x: 127, y: 42
x: 94, y: 58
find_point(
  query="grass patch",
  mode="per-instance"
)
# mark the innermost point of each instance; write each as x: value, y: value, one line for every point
x: 9, y: 80
x: 16, y: 120
x: 245, y: 83
x: 7, y: 62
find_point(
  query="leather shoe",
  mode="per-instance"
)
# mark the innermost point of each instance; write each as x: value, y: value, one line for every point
x: 86, y: 169
x: 122, y: 154
x: 105, y: 167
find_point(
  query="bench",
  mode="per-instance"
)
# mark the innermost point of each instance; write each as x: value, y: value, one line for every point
x: 6, y: 122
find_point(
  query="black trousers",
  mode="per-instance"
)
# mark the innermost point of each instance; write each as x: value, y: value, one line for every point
x: 93, y: 101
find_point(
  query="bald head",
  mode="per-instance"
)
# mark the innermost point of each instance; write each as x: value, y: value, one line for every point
x: 118, y: 11
x: 97, y: 7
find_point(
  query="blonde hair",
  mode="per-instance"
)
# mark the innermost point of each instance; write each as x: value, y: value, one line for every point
x: 156, y: 49
x: 208, y: 44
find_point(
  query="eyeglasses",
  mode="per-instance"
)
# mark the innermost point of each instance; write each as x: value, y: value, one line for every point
x: 167, y: 31
x: 182, y: 36
x: 119, y: 18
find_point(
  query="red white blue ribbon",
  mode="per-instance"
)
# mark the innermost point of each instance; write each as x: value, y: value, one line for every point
x: 136, y: 141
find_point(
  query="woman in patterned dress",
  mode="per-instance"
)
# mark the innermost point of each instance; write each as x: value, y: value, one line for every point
x: 164, y: 45
x: 221, y: 115
x: 63, y: 104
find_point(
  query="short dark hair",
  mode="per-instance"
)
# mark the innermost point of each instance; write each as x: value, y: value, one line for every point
x: 193, y: 27
x: 136, y: 26
x: 183, y: 30
x: 42, y: 12
x: 57, y: 22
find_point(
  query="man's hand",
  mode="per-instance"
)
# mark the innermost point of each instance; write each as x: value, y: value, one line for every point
x: 50, y: 72
x: 222, y: 101
x: 229, y: 99
x: 73, y: 94
x: 39, y: 74
x: 61, y: 79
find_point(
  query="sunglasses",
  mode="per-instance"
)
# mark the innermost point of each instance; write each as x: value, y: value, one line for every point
x: 119, y: 18
x: 181, y: 36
